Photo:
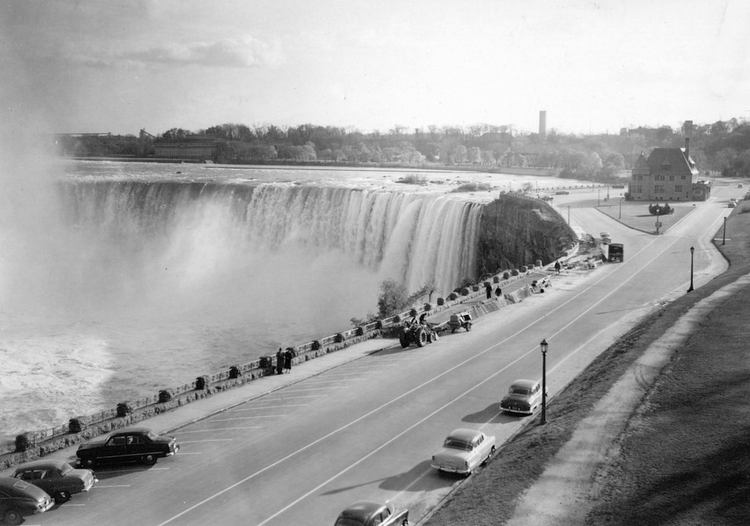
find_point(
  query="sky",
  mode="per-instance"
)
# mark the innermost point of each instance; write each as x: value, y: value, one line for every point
x: 95, y: 66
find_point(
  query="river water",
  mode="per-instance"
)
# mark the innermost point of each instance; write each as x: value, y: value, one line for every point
x: 121, y: 279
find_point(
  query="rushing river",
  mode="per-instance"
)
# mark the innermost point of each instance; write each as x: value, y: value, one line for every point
x: 121, y: 279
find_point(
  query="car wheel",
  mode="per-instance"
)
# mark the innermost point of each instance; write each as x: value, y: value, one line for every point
x: 405, y: 522
x: 468, y: 326
x: 62, y: 497
x: 404, y: 340
x: 12, y: 517
x: 149, y: 459
x: 492, y: 452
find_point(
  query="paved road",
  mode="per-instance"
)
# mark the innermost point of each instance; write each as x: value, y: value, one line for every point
x: 367, y: 428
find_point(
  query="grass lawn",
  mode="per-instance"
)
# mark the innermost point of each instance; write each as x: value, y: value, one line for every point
x: 685, y: 458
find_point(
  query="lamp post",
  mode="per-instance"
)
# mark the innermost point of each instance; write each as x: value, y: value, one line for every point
x: 692, y: 251
x: 724, y: 234
x: 598, y: 196
x: 568, y: 214
x: 544, y: 346
x: 619, y: 216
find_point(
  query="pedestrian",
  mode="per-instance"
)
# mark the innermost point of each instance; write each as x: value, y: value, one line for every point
x: 279, y: 361
x: 288, y: 360
x: 488, y: 288
x: 498, y: 292
x: 557, y: 266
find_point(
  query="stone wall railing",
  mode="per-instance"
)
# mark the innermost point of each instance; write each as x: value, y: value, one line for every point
x: 38, y: 443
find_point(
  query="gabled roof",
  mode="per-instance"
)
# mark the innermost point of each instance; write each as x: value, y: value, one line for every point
x: 673, y: 157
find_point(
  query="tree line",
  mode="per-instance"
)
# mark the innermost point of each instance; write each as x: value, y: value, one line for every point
x: 719, y: 148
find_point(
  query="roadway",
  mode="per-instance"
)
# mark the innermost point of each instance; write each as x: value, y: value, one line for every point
x: 367, y: 428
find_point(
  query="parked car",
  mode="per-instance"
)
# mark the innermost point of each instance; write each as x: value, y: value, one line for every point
x: 19, y: 498
x: 368, y: 513
x: 606, y: 238
x: 524, y: 397
x: 562, y: 192
x: 731, y: 204
x: 56, y: 477
x: 463, y: 450
x: 739, y: 185
x: 128, y: 444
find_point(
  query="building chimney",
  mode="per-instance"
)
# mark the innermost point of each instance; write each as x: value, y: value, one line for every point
x: 688, y: 129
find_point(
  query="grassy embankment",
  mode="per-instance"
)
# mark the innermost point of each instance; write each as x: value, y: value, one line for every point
x: 685, y: 458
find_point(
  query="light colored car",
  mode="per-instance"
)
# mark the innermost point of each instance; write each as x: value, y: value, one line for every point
x: 58, y: 478
x: 731, y: 204
x: 606, y: 238
x: 368, y: 513
x: 523, y: 398
x: 463, y: 451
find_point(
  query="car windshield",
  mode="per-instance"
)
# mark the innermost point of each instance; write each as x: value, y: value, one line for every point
x: 525, y: 391
x: 152, y: 435
x: 455, y: 443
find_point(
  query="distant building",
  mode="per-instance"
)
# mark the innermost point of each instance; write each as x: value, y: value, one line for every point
x: 669, y: 174
x: 192, y: 147
x: 543, y: 124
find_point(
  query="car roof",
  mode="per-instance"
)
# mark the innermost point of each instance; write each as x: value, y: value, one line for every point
x: 133, y: 429
x: 361, y: 509
x: 465, y: 434
x: 13, y: 485
x: 529, y: 384
x: 42, y: 464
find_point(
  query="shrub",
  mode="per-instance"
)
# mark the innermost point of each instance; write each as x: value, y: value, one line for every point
x: 514, y: 272
x: 124, y: 409
x: 165, y: 395
x: 75, y: 425
x: 202, y: 381
x: 473, y: 187
x: 316, y: 345
x: 506, y: 275
x: 22, y: 443
x: 235, y: 371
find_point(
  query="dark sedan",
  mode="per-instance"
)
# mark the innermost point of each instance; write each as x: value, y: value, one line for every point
x: 368, y: 513
x: 56, y: 477
x: 19, y: 498
x: 129, y: 444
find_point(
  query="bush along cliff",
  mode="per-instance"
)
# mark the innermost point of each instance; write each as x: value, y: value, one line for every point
x: 519, y: 231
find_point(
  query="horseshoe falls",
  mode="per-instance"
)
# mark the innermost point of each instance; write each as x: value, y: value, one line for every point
x: 121, y: 286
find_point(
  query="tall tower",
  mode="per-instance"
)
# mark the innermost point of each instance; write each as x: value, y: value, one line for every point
x: 543, y: 124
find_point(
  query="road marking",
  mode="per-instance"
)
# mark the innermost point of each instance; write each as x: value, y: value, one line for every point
x: 242, y: 418
x: 207, y: 440
x: 71, y: 505
x: 218, y: 429
x: 265, y: 407
x: 407, y: 393
x: 294, y: 397
x: 314, y: 389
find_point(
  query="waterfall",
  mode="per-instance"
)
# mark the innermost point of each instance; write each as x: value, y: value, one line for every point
x: 116, y: 287
x: 210, y: 227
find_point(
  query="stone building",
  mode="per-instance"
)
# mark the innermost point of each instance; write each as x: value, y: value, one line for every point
x: 668, y: 174
x: 192, y: 147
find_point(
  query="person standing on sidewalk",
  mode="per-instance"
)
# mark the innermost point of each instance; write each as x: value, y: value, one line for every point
x: 557, y: 266
x: 280, y: 361
x: 288, y: 360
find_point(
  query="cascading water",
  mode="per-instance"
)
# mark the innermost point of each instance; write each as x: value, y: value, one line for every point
x: 161, y: 281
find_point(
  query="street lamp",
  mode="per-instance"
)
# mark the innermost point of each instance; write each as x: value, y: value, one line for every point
x: 619, y: 216
x: 692, y: 250
x: 724, y: 235
x: 544, y: 346
x: 568, y: 214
